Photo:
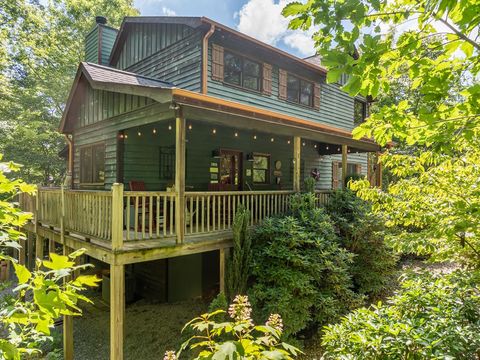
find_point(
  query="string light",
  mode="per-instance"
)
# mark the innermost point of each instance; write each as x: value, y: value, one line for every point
x: 190, y: 127
x: 254, y: 137
x: 315, y: 146
x: 169, y: 127
x: 236, y: 134
x: 125, y: 136
x: 214, y: 131
x: 121, y: 136
x: 139, y: 133
x: 288, y: 141
x: 338, y: 149
x: 303, y: 144
x: 154, y: 131
x: 326, y: 147
x: 272, y: 139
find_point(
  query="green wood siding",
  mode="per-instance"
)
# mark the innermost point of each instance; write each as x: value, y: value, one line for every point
x: 336, y: 107
x: 108, y: 39
x: 107, y: 131
x: 180, y: 63
x: 146, y: 39
x: 99, y: 105
x: 91, y: 46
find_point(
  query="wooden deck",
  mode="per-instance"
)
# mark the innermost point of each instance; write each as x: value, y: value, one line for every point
x: 127, y: 227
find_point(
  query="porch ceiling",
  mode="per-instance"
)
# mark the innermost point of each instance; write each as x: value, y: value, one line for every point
x: 228, y: 113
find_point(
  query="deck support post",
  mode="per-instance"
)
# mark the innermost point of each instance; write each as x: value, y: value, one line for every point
x: 30, y: 255
x: 117, y: 310
x: 180, y: 142
x: 51, y: 246
x: 222, y: 269
x: 67, y: 324
x: 344, y: 165
x: 117, y: 216
x: 297, y: 147
x: 38, y: 247
x: 22, y: 250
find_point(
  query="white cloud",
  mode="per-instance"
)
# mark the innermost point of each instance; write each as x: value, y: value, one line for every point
x: 263, y: 20
x: 167, y: 11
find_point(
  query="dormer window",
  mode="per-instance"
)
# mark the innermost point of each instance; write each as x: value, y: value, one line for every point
x: 241, y: 71
x: 299, y: 90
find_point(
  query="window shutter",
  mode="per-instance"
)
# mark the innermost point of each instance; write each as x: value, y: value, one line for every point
x: 316, y: 96
x: 267, y: 79
x: 282, y: 84
x: 335, y: 171
x: 217, y: 62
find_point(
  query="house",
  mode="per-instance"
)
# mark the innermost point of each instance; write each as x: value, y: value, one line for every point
x: 171, y: 123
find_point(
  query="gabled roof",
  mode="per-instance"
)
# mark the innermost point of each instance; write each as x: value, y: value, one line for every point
x: 106, y: 78
x: 196, y: 22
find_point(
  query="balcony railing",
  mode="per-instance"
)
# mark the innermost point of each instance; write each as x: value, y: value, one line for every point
x: 150, y: 215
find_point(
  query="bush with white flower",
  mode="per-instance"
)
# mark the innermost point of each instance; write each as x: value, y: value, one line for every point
x: 239, y: 338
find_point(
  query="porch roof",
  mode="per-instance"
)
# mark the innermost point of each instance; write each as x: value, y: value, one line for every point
x: 214, y: 108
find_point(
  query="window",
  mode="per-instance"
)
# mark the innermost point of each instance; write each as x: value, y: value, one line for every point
x: 359, y: 111
x: 261, y: 169
x: 299, y: 90
x: 167, y: 162
x: 352, y: 170
x: 92, y: 164
x: 241, y: 71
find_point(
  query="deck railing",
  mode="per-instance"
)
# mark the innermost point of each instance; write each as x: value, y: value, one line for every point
x: 145, y: 215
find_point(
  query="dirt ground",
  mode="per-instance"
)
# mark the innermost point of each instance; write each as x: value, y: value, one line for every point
x: 150, y: 329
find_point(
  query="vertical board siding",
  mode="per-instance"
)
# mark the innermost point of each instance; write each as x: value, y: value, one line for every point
x: 146, y: 39
x: 107, y: 132
x: 179, y: 63
x: 336, y: 106
x: 99, y: 105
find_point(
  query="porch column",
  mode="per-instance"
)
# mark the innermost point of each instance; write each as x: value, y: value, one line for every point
x: 67, y: 325
x: 180, y: 176
x: 117, y: 216
x: 297, y: 147
x: 117, y: 310
x: 344, y: 165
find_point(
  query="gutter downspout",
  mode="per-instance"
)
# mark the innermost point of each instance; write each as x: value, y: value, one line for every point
x: 69, y: 176
x: 205, y: 58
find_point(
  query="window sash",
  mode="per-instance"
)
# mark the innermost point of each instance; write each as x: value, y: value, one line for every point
x: 296, y: 90
x: 261, y: 172
x: 92, y: 164
x: 243, y: 75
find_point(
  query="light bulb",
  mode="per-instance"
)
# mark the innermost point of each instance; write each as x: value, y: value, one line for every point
x: 272, y: 139
x: 169, y: 127
x: 214, y: 131
x: 154, y: 131
x: 236, y: 134
x: 254, y: 137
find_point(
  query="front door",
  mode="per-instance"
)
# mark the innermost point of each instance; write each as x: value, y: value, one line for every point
x: 230, y: 170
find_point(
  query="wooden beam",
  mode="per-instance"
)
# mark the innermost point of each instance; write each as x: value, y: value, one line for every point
x: 117, y: 311
x: 297, y: 147
x: 67, y: 325
x: 222, y: 270
x: 344, y: 165
x: 117, y: 216
x: 22, y: 251
x: 180, y: 142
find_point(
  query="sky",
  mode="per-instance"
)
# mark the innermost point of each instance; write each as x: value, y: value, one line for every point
x: 261, y: 19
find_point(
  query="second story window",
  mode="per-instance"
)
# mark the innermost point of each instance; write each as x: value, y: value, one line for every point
x: 241, y: 71
x: 299, y: 90
x: 359, y: 111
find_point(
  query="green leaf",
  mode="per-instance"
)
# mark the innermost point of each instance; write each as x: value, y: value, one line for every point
x: 22, y: 272
x: 225, y: 351
x: 58, y: 262
x: 293, y: 8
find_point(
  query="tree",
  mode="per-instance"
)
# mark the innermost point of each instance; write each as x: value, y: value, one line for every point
x: 434, y: 199
x: 41, y: 46
x: 44, y: 294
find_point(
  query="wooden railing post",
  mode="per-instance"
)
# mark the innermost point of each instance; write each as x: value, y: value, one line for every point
x: 297, y: 146
x: 117, y: 216
x: 62, y: 214
x: 180, y: 177
x: 344, y: 165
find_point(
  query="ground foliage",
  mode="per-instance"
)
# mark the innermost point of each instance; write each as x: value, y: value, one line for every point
x: 41, y: 44
x: 300, y: 270
x: 430, y: 317
x: 433, y: 47
x: 42, y: 295
x: 237, y: 337
x: 362, y: 233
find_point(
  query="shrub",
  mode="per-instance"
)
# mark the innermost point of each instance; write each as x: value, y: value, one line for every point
x: 239, y: 264
x: 362, y: 233
x: 236, y: 339
x: 431, y: 317
x: 299, y: 270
